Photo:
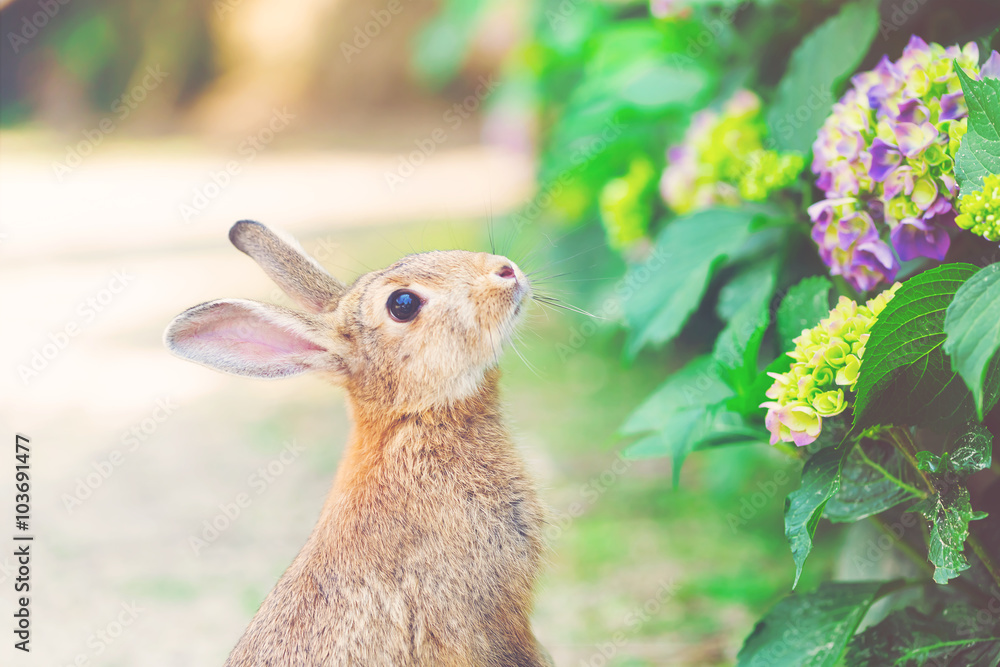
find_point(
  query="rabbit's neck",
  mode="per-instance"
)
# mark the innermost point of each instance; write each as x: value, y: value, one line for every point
x: 398, y: 448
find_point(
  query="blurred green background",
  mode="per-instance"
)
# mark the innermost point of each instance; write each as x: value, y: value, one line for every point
x: 134, y: 133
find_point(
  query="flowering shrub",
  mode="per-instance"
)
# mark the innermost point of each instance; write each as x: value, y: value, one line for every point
x: 890, y: 405
x: 827, y: 359
x: 885, y: 159
x: 722, y: 159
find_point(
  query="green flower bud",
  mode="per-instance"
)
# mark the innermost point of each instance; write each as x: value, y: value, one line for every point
x: 829, y: 403
x: 980, y: 210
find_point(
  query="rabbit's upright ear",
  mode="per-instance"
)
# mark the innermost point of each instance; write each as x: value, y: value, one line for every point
x: 251, y: 338
x: 287, y: 264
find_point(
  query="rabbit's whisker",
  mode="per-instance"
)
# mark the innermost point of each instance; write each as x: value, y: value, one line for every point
x: 551, y: 301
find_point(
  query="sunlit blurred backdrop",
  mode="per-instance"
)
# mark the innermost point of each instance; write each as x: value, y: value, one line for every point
x: 133, y: 135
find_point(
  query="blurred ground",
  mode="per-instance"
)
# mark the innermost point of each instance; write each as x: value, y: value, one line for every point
x: 135, y: 452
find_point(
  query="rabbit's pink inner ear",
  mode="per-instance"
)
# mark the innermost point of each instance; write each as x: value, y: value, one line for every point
x: 254, y: 339
x: 245, y: 338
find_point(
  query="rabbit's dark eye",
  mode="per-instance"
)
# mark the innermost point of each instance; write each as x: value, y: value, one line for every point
x: 403, y: 305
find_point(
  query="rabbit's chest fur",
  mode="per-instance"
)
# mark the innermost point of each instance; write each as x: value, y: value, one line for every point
x: 432, y: 545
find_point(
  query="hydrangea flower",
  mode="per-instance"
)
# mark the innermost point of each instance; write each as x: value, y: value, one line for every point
x: 624, y: 204
x: 722, y: 159
x: 980, y: 211
x: 825, y: 364
x: 885, y: 159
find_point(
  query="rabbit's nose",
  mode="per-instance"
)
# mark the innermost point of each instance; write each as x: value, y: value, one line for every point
x: 507, y: 271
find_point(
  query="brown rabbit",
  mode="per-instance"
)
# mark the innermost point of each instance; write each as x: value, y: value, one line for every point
x: 429, y: 543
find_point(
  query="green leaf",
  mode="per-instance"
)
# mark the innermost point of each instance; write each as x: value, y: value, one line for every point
x: 689, y: 389
x: 685, y: 414
x: 803, y: 307
x: 737, y: 347
x: 905, y: 376
x: 827, y: 56
x: 809, y: 629
x: 653, y: 85
x: 949, y: 512
x: 908, y: 637
x: 745, y: 287
x: 972, y: 324
x: 872, y: 479
x: 979, y: 153
x: 969, y: 451
x: 804, y: 506
x: 669, y: 286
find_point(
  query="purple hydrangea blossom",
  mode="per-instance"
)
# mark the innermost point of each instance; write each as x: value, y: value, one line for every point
x: 885, y: 160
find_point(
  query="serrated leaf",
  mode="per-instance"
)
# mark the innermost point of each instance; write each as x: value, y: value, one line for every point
x: 809, y: 629
x: 972, y: 324
x: 668, y: 287
x: 804, y: 506
x: 949, y: 511
x: 828, y: 55
x: 869, y: 483
x: 905, y: 376
x: 907, y: 637
x: 803, y: 307
x: 979, y: 153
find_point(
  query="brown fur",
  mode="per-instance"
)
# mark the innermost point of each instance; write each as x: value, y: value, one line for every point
x: 429, y: 543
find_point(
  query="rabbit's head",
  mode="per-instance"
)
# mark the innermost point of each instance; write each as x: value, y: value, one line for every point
x: 419, y: 334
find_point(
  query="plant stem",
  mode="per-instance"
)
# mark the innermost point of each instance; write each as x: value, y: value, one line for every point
x: 901, y: 438
x: 980, y: 551
x: 895, y: 480
x: 843, y: 288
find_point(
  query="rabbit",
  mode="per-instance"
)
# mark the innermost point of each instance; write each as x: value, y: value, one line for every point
x: 428, y: 546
